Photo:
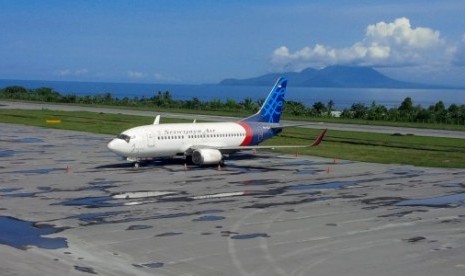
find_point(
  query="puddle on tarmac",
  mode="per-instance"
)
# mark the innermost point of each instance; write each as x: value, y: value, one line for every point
x: 10, y: 152
x: 85, y: 269
x: 329, y: 185
x: 401, y: 213
x: 6, y: 153
x: 65, y: 160
x: 103, y: 182
x: 92, y: 202
x: 382, y: 201
x: 257, y: 182
x: 300, y: 163
x: 228, y: 233
x: 209, y: 218
x: 162, y: 216
x: 454, y: 200
x: 415, y: 239
x: 105, y: 218
x: 405, y: 172
x: 144, y: 194
x: 308, y: 171
x: 138, y: 227
x: 149, y: 265
x: 247, y: 169
x: 30, y: 140
x: 95, y: 218
x: 264, y: 205
x: 38, y: 171
x: 9, y: 190
x: 102, y: 185
x: 84, y: 137
x: 249, y: 236
x: 451, y: 185
x: 26, y: 194
x: 23, y: 234
x: 153, y: 265
x: 168, y: 234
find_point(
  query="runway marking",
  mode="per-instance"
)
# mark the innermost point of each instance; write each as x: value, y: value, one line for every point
x: 129, y: 195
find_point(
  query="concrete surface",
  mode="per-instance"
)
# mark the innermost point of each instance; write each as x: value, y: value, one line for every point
x: 261, y: 214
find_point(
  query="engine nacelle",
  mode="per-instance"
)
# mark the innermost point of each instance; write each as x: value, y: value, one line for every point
x: 206, y: 157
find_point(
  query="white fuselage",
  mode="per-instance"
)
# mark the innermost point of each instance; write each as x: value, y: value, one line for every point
x: 165, y: 140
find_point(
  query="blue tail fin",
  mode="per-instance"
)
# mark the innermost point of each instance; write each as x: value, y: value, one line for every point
x: 271, y: 110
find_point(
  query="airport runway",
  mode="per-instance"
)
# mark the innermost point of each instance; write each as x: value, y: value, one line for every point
x: 70, y: 207
x: 332, y: 126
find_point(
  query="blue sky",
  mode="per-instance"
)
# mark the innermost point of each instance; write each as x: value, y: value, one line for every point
x: 206, y: 41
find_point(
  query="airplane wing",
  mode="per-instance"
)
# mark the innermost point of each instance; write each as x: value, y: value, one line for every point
x: 315, y: 143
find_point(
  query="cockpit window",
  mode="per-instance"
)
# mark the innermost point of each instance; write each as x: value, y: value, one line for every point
x: 124, y: 137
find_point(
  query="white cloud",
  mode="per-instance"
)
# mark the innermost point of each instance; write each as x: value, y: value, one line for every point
x: 71, y: 72
x: 158, y: 77
x: 136, y: 74
x: 393, y: 44
x: 400, y: 33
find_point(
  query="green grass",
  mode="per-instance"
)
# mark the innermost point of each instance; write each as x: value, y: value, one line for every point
x: 360, y: 146
x: 381, y: 148
x: 243, y: 113
x: 79, y: 120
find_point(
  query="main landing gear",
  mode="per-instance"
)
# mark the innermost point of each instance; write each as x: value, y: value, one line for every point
x: 135, y: 162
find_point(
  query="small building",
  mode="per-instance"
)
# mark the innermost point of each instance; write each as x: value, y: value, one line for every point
x: 336, y: 114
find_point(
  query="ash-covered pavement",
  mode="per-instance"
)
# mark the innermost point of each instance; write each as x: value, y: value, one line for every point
x: 68, y: 206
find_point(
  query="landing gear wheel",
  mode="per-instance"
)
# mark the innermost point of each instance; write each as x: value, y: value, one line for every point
x: 189, y: 160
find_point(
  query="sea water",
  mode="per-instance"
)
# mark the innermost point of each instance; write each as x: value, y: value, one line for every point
x: 342, y: 97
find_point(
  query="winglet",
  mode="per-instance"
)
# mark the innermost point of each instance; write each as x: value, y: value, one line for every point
x: 319, y: 138
x: 157, y: 120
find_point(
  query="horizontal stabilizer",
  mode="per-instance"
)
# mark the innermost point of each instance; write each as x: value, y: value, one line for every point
x: 280, y: 126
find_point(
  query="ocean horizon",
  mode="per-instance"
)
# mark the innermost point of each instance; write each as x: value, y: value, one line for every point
x: 342, y: 97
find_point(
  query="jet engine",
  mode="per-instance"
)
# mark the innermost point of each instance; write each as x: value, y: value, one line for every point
x: 206, y: 157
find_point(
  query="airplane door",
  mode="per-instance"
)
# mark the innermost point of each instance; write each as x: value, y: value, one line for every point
x: 150, y: 140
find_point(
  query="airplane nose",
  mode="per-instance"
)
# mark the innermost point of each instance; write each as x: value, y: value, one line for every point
x: 111, y: 145
x: 116, y: 146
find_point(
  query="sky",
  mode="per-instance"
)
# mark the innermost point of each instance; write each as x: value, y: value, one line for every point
x: 194, y: 42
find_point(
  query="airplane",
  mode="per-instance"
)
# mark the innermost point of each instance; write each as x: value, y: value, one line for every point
x: 206, y: 143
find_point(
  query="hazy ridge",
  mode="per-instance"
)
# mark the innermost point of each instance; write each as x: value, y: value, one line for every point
x: 332, y: 76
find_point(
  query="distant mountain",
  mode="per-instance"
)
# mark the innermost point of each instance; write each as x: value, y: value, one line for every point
x: 331, y: 76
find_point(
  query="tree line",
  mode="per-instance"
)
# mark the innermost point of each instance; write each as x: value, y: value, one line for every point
x: 436, y: 113
x: 406, y: 112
